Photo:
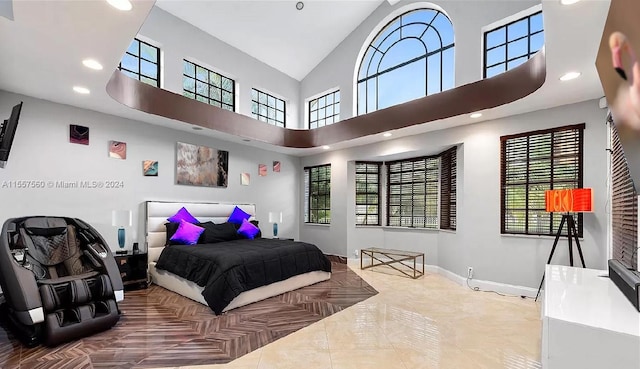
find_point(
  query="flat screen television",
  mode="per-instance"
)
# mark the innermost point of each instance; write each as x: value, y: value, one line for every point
x: 7, y: 133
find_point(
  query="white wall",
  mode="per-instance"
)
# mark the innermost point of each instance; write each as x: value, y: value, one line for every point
x: 477, y: 242
x: 41, y: 151
x: 468, y: 17
x: 180, y: 40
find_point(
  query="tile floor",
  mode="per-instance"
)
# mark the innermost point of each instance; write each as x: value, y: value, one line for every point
x: 426, y: 323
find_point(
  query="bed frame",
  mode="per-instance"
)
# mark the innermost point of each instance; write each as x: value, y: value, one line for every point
x: 156, y: 214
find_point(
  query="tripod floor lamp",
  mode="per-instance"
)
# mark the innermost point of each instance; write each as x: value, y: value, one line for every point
x: 577, y: 200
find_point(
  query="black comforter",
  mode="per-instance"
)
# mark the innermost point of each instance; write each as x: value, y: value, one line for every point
x: 227, y: 269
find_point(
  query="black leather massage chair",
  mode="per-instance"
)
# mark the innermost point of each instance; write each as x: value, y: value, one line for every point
x: 59, y: 279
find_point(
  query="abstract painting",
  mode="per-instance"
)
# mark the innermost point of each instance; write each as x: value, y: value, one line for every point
x: 245, y: 179
x: 117, y: 150
x: 201, y: 165
x: 276, y: 166
x: 78, y: 134
x: 150, y: 168
x: 262, y: 170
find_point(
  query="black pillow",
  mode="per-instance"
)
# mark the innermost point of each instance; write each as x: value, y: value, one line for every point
x: 255, y: 223
x: 214, y: 233
x: 172, y: 227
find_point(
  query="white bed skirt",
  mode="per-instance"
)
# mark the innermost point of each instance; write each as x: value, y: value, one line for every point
x: 191, y: 290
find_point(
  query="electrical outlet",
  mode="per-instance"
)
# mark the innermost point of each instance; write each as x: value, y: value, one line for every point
x: 470, y: 272
x: 357, y: 252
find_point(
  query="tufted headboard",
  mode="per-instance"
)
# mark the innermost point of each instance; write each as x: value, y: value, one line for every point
x: 157, y: 212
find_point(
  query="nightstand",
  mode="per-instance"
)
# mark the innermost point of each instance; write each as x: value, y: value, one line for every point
x: 281, y: 238
x: 133, y: 270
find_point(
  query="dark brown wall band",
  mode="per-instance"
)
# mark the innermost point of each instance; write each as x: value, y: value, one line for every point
x: 484, y: 94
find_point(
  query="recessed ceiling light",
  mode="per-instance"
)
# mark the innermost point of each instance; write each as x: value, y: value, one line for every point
x: 120, y: 4
x: 569, y: 76
x: 246, y: 140
x: 197, y: 128
x: 326, y: 147
x: 387, y: 134
x: 81, y: 90
x: 299, y: 5
x: 475, y: 115
x: 568, y: 2
x: 92, y: 64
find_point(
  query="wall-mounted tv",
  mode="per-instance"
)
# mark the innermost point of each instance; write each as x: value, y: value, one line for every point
x: 7, y: 132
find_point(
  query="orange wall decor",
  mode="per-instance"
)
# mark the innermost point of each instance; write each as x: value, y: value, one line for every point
x: 569, y: 200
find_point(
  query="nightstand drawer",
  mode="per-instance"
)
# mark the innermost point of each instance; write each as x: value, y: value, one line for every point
x: 133, y: 269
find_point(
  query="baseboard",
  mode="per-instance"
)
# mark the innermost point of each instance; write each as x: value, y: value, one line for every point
x: 504, y: 288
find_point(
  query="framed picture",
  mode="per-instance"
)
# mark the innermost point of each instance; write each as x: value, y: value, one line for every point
x: 201, y: 165
x: 262, y: 170
x: 118, y: 150
x: 78, y: 134
x: 245, y: 179
x: 276, y: 166
x: 150, y: 168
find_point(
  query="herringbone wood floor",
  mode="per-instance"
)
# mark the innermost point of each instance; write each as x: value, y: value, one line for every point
x: 159, y: 328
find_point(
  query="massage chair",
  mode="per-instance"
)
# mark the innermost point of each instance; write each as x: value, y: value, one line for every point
x: 59, y: 280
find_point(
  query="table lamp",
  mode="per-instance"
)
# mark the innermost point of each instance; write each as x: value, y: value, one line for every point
x: 275, y: 218
x: 121, y: 219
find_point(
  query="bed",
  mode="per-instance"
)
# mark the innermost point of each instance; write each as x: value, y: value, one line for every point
x: 156, y: 214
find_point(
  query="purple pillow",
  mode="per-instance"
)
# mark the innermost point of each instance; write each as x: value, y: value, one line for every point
x: 183, y: 214
x: 248, y: 230
x: 238, y: 215
x: 187, y: 233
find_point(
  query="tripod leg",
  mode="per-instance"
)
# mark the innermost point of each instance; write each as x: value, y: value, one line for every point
x: 569, y: 229
x: 575, y: 235
x: 553, y: 249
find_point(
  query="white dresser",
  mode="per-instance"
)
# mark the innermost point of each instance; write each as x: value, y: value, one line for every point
x: 587, y: 322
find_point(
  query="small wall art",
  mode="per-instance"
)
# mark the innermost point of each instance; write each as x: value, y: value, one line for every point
x: 150, y: 168
x: 276, y: 166
x: 78, y: 134
x: 262, y: 170
x: 245, y: 179
x: 118, y: 150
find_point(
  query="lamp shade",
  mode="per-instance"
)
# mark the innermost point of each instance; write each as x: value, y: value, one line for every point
x: 121, y: 218
x: 572, y: 200
x: 275, y: 217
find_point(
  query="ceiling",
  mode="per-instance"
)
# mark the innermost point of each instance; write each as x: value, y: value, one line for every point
x: 43, y: 47
x: 275, y: 32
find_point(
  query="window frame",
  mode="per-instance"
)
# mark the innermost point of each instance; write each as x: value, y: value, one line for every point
x: 367, y: 193
x: 531, y: 13
x: 209, y: 85
x: 139, y: 57
x: 257, y: 115
x: 426, y: 55
x: 308, y: 194
x: 335, y: 116
x: 436, y: 192
x: 503, y: 179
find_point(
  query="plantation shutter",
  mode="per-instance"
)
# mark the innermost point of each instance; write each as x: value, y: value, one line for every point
x: 532, y: 163
x: 624, y: 206
x: 448, y: 189
x: 413, y: 193
x: 368, y: 193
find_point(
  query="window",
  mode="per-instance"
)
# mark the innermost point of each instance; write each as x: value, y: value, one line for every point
x: 208, y: 86
x: 412, y: 192
x: 624, y: 206
x: 411, y: 57
x: 508, y: 46
x: 142, y: 62
x: 268, y: 108
x: 448, y: 183
x: 317, y: 181
x: 532, y: 163
x: 324, y: 110
x: 368, y: 193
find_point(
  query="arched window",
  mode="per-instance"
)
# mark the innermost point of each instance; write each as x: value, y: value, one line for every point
x: 411, y: 57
